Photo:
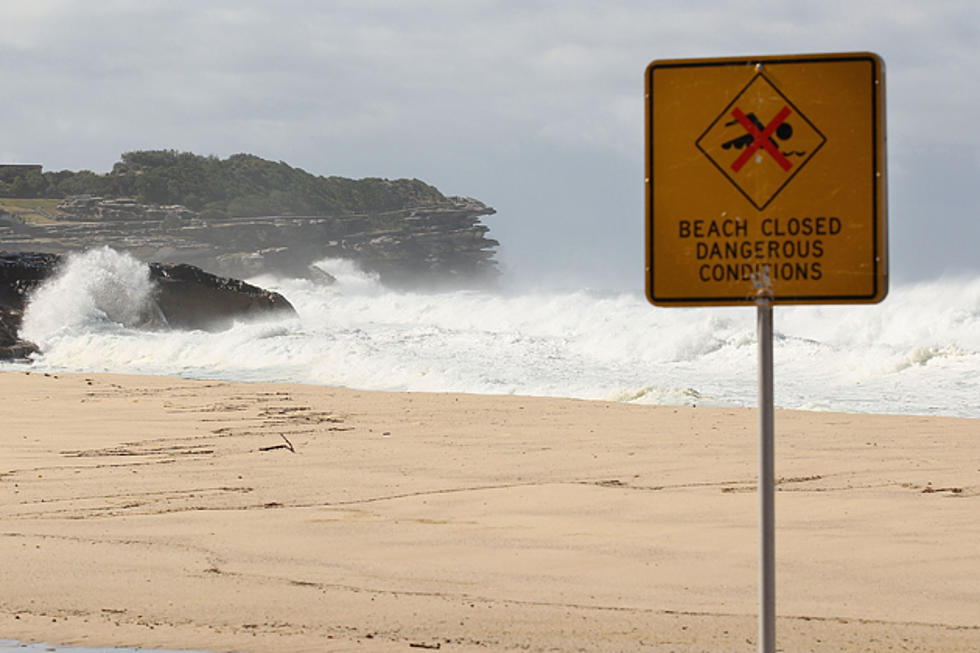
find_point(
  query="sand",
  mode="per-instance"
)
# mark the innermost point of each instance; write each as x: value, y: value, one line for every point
x: 170, y: 513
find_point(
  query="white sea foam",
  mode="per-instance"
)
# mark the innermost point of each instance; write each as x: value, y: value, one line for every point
x: 917, y: 352
x: 98, y: 288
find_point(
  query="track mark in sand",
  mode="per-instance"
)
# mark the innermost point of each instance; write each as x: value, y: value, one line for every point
x: 219, y: 407
x: 279, y: 395
x: 783, y: 484
x: 158, y: 450
x: 235, y: 403
x: 206, y: 554
x: 625, y: 485
x: 295, y: 420
x: 786, y: 485
x: 464, y: 597
x: 288, y: 415
x: 424, y: 493
x: 376, y: 499
x: 948, y: 491
x: 134, y: 449
x: 355, y: 502
x: 261, y: 411
x: 286, y: 420
x: 115, y: 390
x: 167, y: 498
x: 164, y: 494
x: 109, y: 617
x: 34, y: 472
x: 798, y: 479
x: 840, y: 620
x: 234, y: 432
x: 141, y: 503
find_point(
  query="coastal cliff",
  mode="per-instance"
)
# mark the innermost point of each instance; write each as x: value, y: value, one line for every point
x: 245, y: 216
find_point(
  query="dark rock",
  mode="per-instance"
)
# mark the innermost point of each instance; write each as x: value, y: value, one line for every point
x: 18, y: 350
x: 19, y: 274
x: 318, y: 276
x: 12, y: 347
x: 10, y: 344
x: 190, y: 298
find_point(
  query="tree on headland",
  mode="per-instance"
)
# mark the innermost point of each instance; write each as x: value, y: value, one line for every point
x: 243, y: 185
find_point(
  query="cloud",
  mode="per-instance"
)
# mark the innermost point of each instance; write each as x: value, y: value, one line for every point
x: 474, y: 97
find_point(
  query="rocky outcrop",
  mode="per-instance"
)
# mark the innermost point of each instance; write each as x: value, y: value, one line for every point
x: 12, y: 347
x: 185, y: 297
x: 19, y: 275
x: 120, y: 209
x: 443, y: 244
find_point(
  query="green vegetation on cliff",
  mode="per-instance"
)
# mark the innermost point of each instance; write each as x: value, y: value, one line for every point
x: 243, y: 185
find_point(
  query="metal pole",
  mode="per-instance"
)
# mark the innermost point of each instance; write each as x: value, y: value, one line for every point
x: 767, y: 484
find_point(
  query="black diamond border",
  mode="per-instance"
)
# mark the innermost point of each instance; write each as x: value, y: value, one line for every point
x: 727, y: 110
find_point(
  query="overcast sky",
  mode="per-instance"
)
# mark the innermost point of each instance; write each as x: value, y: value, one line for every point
x: 533, y: 107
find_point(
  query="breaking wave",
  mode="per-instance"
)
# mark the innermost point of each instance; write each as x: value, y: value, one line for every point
x: 96, y: 290
x: 918, y: 352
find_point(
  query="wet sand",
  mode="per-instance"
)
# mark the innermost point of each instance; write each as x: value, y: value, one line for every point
x: 168, y: 513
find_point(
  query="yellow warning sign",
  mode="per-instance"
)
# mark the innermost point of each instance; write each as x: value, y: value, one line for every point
x: 766, y: 176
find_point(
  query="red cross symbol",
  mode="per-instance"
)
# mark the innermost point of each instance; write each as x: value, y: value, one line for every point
x: 761, y: 139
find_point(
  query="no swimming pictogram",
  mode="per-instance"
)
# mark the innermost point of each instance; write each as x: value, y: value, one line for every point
x: 760, y: 158
x: 764, y: 138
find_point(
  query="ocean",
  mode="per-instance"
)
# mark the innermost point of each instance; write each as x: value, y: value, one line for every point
x: 918, y: 352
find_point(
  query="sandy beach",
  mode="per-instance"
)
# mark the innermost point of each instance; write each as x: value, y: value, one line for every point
x: 171, y: 513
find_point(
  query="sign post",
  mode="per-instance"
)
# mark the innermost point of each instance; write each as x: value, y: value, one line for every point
x: 767, y: 482
x: 765, y: 185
